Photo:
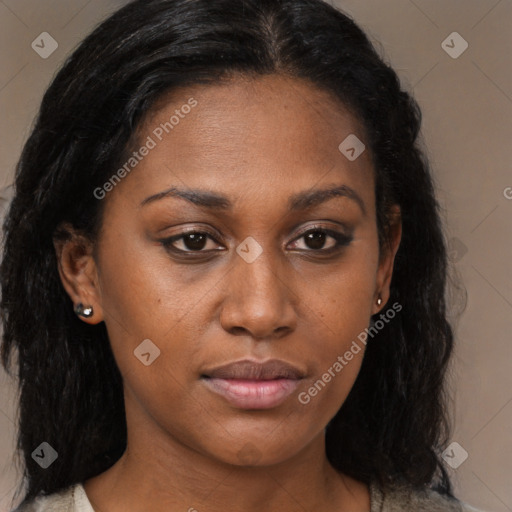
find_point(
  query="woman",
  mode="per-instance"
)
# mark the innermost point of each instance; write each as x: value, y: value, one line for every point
x: 224, y: 271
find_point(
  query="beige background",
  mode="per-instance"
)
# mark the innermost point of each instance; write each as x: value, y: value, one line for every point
x: 467, y: 105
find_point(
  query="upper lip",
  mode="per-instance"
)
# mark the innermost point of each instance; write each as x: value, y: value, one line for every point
x: 253, y: 370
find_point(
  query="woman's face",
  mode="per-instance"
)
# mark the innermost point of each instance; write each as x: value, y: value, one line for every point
x: 248, y: 161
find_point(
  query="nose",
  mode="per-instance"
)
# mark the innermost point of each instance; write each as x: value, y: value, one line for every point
x: 259, y: 299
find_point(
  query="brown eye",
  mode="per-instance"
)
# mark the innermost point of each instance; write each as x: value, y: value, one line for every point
x: 193, y: 241
x: 316, y: 240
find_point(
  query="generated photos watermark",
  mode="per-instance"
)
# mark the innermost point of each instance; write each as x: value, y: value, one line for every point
x: 157, y: 135
x: 335, y: 369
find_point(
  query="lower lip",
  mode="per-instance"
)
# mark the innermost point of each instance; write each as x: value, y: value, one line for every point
x: 253, y: 394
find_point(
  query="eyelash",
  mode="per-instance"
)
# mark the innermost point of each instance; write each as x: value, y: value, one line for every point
x: 341, y: 239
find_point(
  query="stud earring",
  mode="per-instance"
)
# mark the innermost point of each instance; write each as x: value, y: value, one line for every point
x: 85, y: 311
x: 379, y: 301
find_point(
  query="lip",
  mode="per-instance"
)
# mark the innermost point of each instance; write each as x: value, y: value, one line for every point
x: 250, y: 384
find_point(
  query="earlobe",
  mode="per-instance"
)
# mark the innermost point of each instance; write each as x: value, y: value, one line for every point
x: 77, y: 271
x: 387, y: 258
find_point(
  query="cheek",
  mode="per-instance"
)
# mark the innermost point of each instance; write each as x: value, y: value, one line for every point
x: 140, y: 287
x: 145, y: 296
x: 341, y: 295
x: 137, y: 303
x: 340, y: 306
x: 337, y: 356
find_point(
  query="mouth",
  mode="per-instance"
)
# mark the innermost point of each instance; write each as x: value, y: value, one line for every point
x: 252, y: 385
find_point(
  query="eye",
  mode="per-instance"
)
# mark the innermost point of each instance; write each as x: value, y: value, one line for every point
x: 192, y: 241
x: 316, y: 239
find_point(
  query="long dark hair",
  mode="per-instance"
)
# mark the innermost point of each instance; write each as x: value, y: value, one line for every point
x: 394, y: 422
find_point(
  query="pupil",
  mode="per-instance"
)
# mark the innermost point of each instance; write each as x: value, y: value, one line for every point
x: 315, y: 240
x: 195, y: 241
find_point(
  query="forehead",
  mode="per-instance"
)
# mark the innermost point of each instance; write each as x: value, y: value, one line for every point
x: 266, y: 135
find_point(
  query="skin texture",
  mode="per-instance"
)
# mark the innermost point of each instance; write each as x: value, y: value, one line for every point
x: 257, y: 141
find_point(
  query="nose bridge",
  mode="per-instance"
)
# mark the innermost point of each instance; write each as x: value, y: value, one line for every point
x: 257, y: 270
x: 258, y: 299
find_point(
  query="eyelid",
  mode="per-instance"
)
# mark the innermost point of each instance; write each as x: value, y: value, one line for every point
x: 168, y: 241
x: 341, y: 239
x: 320, y: 227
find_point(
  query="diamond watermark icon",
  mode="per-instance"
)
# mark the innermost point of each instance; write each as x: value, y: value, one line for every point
x: 352, y: 147
x: 454, y: 45
x: 456, y: 250
x: 147, y: 352
x: 44, y: 45
x: 249, y: 249
x: 44, y: 455
x: 454, y: 455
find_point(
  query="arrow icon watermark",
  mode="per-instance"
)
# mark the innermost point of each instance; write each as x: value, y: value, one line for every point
x: 146, y: 352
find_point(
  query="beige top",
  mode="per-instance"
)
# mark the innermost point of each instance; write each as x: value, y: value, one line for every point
x: 398, y: 499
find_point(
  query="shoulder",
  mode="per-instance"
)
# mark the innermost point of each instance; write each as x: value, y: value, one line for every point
x: 61, y: 501
x: 402, y: 497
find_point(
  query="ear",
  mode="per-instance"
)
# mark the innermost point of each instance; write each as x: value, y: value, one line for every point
x: 387, y: 258
x: 78, y: 270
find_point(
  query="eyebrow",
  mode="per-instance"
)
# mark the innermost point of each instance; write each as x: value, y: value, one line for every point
x: 301, y: 201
